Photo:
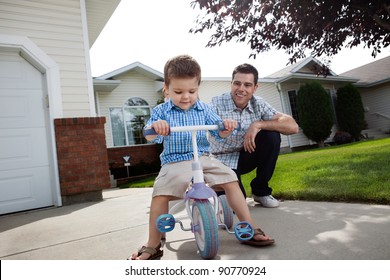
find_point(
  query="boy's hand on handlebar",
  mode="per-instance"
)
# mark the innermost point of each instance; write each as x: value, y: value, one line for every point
x: 230, y: 126
x: 161, y: 127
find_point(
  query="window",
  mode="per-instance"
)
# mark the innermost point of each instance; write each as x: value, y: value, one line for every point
x: 292, y: 96
x: 127, y: 122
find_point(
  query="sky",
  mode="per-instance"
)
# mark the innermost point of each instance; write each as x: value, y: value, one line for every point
x: 153, y: 31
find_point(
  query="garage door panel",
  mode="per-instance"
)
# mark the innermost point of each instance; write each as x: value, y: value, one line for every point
x: 20, y: 109
x: 18, y: 190
x: 22, y: 188
x: 14, y: 68
x: 23, y: 149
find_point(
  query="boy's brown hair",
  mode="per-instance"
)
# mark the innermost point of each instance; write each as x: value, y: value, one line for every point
x: 181, y: 66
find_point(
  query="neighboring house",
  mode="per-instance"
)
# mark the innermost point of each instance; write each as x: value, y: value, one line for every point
x: 374, y: 88
x: 52, y: 144
x: 136, y: 81
x: 125, y: 97
x: 281, y: 89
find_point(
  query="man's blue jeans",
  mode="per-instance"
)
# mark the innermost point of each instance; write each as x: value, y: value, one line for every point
x: 264, y: 159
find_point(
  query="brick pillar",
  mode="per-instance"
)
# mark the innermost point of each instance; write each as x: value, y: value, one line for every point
x: 82, y: 159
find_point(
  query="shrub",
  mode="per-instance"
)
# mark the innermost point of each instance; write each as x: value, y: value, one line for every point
x: 342, y: 137
x: 315, y: 112
x: 350, y: 111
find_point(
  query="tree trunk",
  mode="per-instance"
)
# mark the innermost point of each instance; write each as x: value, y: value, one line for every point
x: 321, y: 144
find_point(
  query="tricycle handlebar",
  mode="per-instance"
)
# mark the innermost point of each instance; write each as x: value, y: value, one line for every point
x: 218, y: 126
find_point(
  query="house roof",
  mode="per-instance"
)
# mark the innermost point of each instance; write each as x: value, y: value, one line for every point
x: 136, y: 66
x: 105, y: 85
x: 98, y: 14
x: 309, y: 68
x: 371, y: 74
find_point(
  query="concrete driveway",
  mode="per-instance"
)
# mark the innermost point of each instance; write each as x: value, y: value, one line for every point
x: 115, y: 227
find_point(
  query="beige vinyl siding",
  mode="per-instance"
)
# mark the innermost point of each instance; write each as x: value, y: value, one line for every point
x: 209, y: 89
x: 298, y: 139
x: 269, y: 93
x: 104, y: 111
x: 305, y: 70
x: 56, y: 28
x: 377, y: 99
x: 132, y: 84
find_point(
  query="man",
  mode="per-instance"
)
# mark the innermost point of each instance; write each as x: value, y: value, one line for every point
x: 257, y: 144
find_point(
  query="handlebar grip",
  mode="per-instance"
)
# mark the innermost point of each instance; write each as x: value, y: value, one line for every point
x: 222, y: 127
x: 149, y: 131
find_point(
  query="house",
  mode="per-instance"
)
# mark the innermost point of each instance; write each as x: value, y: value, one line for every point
x: 137, y: 81
x: 127, y: 95
x: 281, y: 88
x: 52, y: 143
x: 374, y: 87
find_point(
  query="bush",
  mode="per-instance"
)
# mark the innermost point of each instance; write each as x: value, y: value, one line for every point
x: 315, y: 112
x: 342, y: 137
x: 350, y: 111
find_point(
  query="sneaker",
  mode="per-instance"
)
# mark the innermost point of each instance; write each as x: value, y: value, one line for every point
x: 266, y: 201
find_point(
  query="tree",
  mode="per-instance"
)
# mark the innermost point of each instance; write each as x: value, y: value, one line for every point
x: 322, y: 26
x: 315, y: 112
x: 350, y: 110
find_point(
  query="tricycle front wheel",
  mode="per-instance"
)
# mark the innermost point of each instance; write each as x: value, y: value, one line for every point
x: 205, y: 228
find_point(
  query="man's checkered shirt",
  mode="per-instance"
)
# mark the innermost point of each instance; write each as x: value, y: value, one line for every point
x: 228, y: 151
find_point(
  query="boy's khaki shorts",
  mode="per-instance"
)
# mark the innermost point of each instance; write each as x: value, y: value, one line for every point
x: 174, y: 178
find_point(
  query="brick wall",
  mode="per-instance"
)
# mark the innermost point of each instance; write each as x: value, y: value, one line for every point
x: 144, y: 159
x: 140, y: 153
x: 82, y: 158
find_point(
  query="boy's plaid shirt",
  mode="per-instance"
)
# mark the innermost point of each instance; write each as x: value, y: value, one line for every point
x: 178, y: 145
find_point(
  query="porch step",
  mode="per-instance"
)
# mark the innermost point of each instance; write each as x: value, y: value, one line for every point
x: 112, y: 180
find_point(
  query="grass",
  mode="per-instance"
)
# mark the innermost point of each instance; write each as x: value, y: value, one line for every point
x: 141, y: 183
x: 356, y: 172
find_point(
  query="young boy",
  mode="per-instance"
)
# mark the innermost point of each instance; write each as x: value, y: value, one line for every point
x: 182, y: 75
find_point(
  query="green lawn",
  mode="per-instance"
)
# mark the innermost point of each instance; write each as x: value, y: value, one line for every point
x: 357, y: 172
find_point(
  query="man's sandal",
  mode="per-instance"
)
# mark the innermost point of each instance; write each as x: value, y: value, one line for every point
x: 254, y: 242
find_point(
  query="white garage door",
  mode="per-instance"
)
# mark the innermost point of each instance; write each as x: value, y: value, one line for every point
x: 25, y: 177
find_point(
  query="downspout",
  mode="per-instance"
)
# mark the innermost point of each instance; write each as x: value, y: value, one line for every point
x: 278, y: 88
x: 97, y: 103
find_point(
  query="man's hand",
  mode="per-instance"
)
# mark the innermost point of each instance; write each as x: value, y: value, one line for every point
x: 250, y: 136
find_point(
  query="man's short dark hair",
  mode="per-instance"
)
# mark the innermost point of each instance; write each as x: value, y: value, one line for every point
x: 246, y: 69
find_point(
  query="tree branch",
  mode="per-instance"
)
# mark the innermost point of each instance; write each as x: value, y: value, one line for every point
x: 380, y: 22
